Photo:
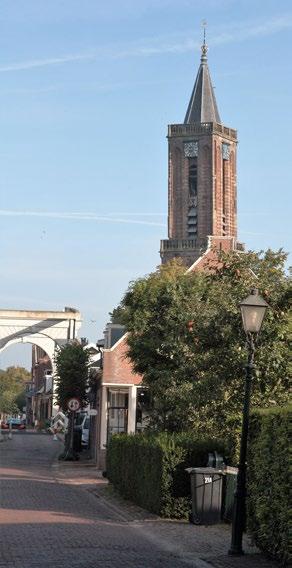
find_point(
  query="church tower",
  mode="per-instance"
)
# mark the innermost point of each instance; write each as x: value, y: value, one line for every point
x: 201, y: 177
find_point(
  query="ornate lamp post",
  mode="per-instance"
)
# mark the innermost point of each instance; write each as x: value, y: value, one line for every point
x: 253, y: 309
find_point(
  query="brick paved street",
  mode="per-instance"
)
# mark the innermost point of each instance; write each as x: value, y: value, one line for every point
x: 64, y: 516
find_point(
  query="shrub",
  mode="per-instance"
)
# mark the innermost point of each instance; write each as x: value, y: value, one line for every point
x: 150, y: 470
x: 134, y: 466
x: 268, y: 481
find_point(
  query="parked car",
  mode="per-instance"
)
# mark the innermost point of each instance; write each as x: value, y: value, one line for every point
x: 81, y: 430
x: 85, y: 426
x: 16, y: 424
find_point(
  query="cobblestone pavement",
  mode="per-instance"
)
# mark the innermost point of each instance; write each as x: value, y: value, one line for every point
x: 62, y: 515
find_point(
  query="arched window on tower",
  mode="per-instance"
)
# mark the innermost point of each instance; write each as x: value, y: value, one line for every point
x: 193, y: 177
x: 193, y: 192
x: 225, y: 188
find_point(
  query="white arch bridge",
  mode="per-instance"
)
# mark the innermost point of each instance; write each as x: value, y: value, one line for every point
x: 48, y: 330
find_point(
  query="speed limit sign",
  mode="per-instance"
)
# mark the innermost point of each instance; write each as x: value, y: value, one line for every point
x: 73, y: 404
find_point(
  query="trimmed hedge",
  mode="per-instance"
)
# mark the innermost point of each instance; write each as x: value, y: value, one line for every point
x: 150, y: 470
x: 268, y: 481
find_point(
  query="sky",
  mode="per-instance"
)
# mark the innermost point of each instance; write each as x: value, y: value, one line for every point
x: 87, y: 90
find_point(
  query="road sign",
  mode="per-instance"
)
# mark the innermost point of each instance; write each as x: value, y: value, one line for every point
x: 92, y: 412
x: 73, y: 404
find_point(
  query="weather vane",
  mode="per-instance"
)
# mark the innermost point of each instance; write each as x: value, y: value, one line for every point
x: 204, y: 46
x: 204, y: 25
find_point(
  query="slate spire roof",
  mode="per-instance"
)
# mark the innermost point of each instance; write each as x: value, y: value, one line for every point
x: 202, y: 106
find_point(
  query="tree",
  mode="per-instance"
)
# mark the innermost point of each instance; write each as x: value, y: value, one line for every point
x: 118, y: 315
x: 71, y: 380
x: 12, y: 389
x: 72, y: 362
x: 186, y: 339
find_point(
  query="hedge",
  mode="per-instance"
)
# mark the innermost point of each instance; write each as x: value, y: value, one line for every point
x: 150, y: 469
x: 268, y: 481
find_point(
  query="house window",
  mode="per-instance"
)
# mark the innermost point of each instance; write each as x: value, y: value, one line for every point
x: 117, y: 416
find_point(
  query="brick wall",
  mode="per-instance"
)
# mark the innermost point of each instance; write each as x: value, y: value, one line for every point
x: 40, y: 364
x: 226, y: 244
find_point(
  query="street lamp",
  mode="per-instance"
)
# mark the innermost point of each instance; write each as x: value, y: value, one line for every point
x: 253, y: 309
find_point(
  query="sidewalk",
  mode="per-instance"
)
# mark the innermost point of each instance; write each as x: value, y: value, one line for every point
x: 200, y: 546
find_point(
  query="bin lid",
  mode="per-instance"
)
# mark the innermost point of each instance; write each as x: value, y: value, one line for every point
x: 204, y: 470
x: 232, y: 470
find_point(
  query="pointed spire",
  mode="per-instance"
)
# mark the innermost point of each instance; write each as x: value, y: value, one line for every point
x: 202, y: 106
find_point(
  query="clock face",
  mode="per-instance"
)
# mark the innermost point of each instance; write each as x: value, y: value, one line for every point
x: 191, y: 149
x: 225, y: 151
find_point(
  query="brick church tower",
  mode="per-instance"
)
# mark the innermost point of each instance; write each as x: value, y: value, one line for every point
x: 202, y: 178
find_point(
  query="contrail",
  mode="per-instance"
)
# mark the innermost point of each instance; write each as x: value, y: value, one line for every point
x: 235, y: 32
x: 130, y: 214
x: 76, y: 217
x: 24, y: 65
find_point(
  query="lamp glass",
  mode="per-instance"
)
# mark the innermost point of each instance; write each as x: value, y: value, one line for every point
x: 252, y: 317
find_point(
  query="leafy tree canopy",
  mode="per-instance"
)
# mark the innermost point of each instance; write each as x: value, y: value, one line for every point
x: 186, y: 339
x: 72, y: 362
x: 118, y: 315
x: 12, y: 389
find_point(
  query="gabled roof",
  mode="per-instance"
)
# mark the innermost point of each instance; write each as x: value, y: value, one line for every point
x: 202, y: 106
